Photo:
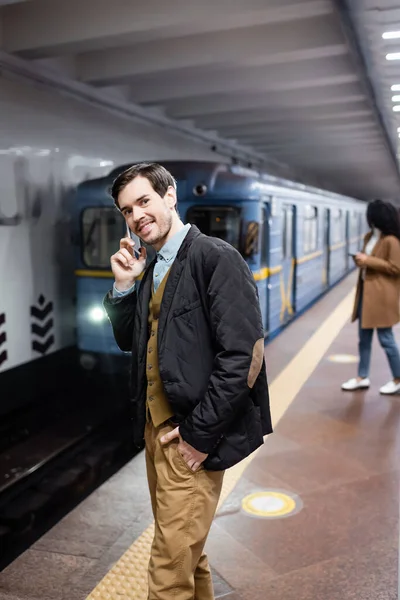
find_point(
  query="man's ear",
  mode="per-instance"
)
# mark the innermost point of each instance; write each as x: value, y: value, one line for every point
x: 170, y: 197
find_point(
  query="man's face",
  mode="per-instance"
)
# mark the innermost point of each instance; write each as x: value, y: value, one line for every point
x: 148, y: 215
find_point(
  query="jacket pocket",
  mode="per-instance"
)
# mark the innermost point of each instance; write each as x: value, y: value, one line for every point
x: 178, y: 312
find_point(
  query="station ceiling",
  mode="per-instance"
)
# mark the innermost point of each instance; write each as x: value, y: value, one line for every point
x: 303, y: 85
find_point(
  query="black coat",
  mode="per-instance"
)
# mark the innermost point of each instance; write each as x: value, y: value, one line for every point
x: 209, y: 323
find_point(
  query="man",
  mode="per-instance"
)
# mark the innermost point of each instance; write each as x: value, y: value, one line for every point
x: 200, y: 393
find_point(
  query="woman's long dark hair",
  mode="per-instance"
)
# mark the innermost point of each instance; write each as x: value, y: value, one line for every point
x: 385, y: 217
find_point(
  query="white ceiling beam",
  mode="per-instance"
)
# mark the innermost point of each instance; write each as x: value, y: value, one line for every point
x: 351, y: 122
x: 303, y: 146
x: 305, y: 133
x: 288, y: 122
x: 45, y: 27
x: 270, y: 43
x: 315, y: 154
x: 245, y: 117
x: 249, y: 100
x: 281, y: 77
x: 347, y: 141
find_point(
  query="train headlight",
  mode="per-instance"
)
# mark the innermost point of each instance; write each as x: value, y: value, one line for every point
x: 97, y: 314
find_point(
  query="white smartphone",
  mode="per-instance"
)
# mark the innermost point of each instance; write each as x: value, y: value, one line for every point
x: 135, y: 239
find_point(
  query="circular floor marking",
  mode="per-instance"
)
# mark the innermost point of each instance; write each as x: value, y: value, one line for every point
x: 343, y: 358
x: 270, y: 504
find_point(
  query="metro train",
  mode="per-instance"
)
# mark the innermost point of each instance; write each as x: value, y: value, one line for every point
x: 297, y: 241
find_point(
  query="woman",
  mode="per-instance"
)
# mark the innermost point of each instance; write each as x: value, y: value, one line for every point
x: 378, y: 293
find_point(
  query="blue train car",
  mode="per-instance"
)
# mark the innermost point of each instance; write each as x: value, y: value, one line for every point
x: 295, y: 239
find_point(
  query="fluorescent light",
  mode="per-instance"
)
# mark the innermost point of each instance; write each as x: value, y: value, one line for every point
x: 396, y: 108
x: 395, y: 87
x: 393, y: 56
x: 391, y: 35
x: 396, y: 98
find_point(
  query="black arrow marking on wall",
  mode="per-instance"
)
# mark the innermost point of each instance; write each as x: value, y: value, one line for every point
x: 3, y: 339
x: 41, y: 314
x: 41, y: 331
x: 42, y: 348
x: 3, y: 357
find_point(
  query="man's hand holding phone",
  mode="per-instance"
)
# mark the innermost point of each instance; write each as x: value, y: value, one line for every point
x: 127, y: 264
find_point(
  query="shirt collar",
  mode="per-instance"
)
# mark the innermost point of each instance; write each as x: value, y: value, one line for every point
x: 170, y: 249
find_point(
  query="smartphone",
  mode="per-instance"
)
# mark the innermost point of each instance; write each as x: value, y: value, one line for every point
x: 135, y: 239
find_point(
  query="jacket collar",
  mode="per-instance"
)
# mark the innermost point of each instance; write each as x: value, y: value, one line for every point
x: 169, y: 251
x: 171, y: 285
x: 173, y: 279
x: 192, y: 234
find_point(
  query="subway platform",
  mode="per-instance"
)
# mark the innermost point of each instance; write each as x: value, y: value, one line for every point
x: 312, y: 515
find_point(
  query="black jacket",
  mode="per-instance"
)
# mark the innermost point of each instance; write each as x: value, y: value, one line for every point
x: 209, y: 324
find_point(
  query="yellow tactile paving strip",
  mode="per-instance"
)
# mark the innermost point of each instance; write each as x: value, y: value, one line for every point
x: 127, y: 580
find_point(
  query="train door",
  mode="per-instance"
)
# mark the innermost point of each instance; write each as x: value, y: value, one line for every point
x: 287, y: 282
x: 348, y: 234
x: 359, y: 232
x: 264, y: 263
x: 255, y: 249
x: 326, y: 247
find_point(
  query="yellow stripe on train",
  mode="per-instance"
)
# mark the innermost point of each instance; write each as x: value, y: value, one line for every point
x: 97, y: 273
x: 258, y: 275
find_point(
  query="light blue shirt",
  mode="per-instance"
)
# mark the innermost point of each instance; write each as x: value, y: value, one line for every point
x: 165, y: 258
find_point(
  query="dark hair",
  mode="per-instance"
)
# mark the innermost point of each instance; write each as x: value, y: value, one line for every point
x: 158, y: 176
x: 385, y: 217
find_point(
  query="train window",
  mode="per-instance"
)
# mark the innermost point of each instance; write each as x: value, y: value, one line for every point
x: 287, y: 230
x: 264, y: 237
x: 355, y: 225
x: 102, y: 228
x: 338, y: 226
x: 310, y: 229
x: 218, y: 221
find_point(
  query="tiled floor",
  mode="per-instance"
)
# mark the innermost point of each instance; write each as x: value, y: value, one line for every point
x: 339, y: 452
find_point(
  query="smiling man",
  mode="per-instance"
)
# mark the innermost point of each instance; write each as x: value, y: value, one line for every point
x: 199, y: 388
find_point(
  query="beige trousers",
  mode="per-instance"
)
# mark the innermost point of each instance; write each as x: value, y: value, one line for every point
x: 184, y: 504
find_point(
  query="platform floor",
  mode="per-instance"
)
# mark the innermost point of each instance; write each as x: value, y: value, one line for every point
x: 334, y: 456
